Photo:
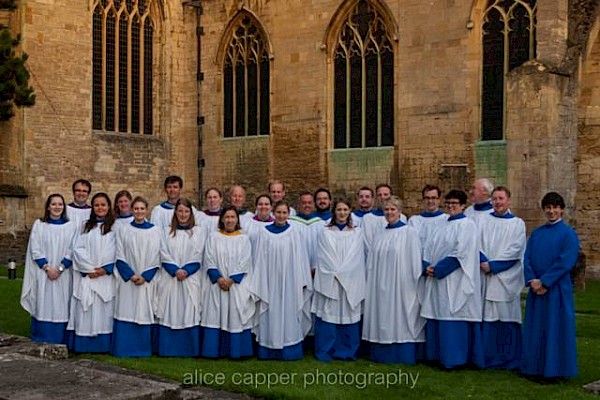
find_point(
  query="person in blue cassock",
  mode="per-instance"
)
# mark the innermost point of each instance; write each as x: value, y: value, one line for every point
x: 451, y: 299
x: 549, y: 347
x: 138, y: 260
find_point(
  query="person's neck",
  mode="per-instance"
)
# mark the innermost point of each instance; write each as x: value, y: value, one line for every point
x: 78, y: 204
x: 280, y: 223
x: 173, y: 201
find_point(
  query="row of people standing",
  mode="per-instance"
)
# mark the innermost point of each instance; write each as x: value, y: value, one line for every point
x: 453, y: 314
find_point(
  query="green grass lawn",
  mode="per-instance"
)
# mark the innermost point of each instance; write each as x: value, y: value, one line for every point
x: 309, y: 378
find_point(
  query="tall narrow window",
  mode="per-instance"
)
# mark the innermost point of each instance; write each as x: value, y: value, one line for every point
x: 246, y: 81
x: 508, y: 41
x: 363, y: 62
x: 122, y: 39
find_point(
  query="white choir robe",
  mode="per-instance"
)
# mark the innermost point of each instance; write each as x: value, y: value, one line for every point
x: 139, y: 248
x: 283, y: 286
x: 476, y: 214
x: 228, y: 316
x: 92, y: 305
x: 502, y: 239
x: 121, y: 221
x: 426, y: 224
x: 452, y: 304
x: 311, y: 232
x: 339, y: 291
x: 375, y: 222
x: 78, y: 215
x: 210, y: 222
x: 252, y: 230
x: 48, y: 301
x: 246, y: 219
x: 392, y: 321
x: 179, y: 303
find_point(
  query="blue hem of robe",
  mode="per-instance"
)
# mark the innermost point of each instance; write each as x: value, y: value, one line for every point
x: 395, y: 353
x: 219, y: 343
x: 336, y: 341
x: 89, y: 344
x: 502, y: 344
x: 288, y: 353
x: 131, y: 339
x: 454, y: 343
x: 178, y: 342
x: 49, y: 332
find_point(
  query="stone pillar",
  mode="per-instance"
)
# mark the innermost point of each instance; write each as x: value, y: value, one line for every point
x: 552, y: 31
x: 541, y: 134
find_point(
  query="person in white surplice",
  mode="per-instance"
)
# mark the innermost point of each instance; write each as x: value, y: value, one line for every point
x: 339, y: 286
x: 392, y: 323
x: 92, y: 305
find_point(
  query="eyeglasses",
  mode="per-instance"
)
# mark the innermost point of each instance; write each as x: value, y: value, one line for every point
x: 452, y: 203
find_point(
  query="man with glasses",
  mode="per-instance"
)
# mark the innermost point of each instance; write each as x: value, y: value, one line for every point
x: 431, y: 218
x: 79, y: 210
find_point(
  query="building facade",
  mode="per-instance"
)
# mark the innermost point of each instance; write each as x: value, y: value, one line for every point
x: 328, y: 93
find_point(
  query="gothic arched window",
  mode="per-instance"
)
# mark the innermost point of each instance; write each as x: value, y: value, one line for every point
x: 123, y: 35
x: 246, y: 76
x: 364, y: 81
x: 508, y: 41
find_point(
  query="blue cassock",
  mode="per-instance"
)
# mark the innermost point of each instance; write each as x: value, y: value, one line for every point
x: 549, y: 346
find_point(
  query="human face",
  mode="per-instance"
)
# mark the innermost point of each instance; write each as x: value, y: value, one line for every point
x: 322, y: 201
x: 213, y: 200
x: 139, y: 212
x: 383, y: 193
x: 183, y: 214
x: 237, y: 197
x: 431, y: 201
x: 263, y: 208
x: 56, y: 207
x: 230, y: 220
x: 391, y: 213
x: 124, y: 205
x: 276, y: 191
x: 365, y: 200
x: 81, y: 193
x: 454, y: 207
x: 306, y: 204
x: 281, y: 215
x: 478, y: 194
x: 342, y: 211
x: 173, y: 191
x: 500, y: 202
x: 100, y: 206
x: 553, y: 213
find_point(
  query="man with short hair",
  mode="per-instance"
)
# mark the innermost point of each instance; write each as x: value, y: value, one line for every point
x: 431, y: 218
x: 276, y: 189
x: 162, y: 214
x: 323, y: 203
x: 79, y: 210
x: 364, y: 204
x: 480, y: 197
x: 374, y: 222
x: 237, y: 198
x: 502, y: 245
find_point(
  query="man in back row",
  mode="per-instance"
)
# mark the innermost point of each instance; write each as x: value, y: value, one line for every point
x: 79, y: 210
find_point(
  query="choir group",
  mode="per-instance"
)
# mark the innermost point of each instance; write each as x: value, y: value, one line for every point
x: 226, y: 282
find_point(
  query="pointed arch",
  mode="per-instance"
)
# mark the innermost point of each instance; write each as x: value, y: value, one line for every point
x: 244, y: 56
x: 360, y: 43
x: 123, y: 40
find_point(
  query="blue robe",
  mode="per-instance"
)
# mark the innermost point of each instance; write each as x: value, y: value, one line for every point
x: 549, y: 346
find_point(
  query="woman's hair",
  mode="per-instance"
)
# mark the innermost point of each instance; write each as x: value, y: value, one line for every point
x: 459, y: 195
x: 337, y: 201
x: 120, y: 194
x: 175, y: 221
x: 260, y: 197
x: 395, y: 201
x: 281, y: 203
x: 139, y: 199
x: 553, y: 199
x: 215, y: 189
x: 222, y: 218
x: 63, y: 215
x: 109, y: 220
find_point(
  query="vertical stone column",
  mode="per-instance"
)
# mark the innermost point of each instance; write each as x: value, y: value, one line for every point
x: 541, y: 138
x: 552, y: 31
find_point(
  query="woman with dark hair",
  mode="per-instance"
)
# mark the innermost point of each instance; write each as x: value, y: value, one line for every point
x: 48, y: 282
x: 214, y: 206
x: 138, y: 260
x: 549, y: 345
x: 392, y: 323
x: 339, y: 286
x: 262, y: 217
x: 228, y: 306
x: 451, y: 300
x: 122, y: 208
x: 92, y: 305
x: 178, y: 295
x: 281, y: 281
